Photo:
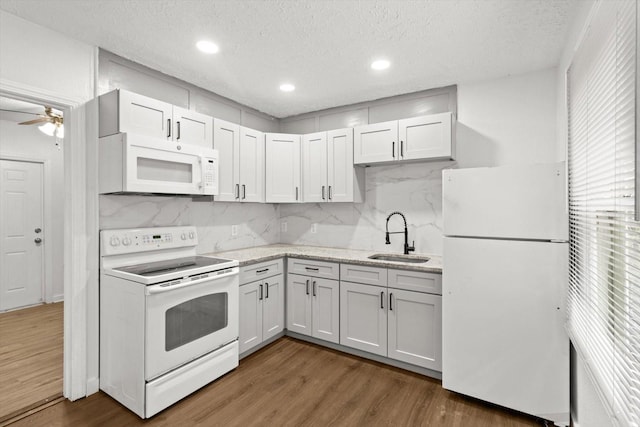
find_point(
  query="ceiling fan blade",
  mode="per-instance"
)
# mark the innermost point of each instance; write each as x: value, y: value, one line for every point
x: 21, y: 112
x: 36, y: 121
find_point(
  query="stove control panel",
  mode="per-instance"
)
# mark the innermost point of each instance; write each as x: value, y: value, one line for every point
x: 115, y: 242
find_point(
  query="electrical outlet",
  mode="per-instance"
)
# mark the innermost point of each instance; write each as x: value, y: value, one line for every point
x: 283, y: 226
x: 234, y: 230
x: 314, y: 228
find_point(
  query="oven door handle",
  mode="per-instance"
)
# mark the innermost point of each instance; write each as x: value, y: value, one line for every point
x: 158, y: 289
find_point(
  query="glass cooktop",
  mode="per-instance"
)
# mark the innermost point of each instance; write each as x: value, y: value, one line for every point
x: 173, y: 265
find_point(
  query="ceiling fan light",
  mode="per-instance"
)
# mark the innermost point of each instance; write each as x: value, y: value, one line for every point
x: 48, y: 129
x: 60, y: 131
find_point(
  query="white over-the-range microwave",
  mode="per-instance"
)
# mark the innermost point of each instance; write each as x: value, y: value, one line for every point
x: 133, y: 163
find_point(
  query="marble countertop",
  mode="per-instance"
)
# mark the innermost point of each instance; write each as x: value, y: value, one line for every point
x: 253, y: 255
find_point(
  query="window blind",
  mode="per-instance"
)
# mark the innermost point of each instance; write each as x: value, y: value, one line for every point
x: 604, y: 271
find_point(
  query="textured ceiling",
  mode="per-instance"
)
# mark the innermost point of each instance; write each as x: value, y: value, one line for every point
x: 323, y: 47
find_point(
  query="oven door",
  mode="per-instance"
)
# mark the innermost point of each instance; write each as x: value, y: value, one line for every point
x: 188, y: 320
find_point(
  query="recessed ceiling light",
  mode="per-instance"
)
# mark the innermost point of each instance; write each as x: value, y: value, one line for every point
x: 287, y: 87
x: 207, y: 46
x: 380, y: 64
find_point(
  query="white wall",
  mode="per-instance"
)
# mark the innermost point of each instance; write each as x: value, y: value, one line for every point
x: 510, y: 120
x: 28, y: 143
x: 34, y: 57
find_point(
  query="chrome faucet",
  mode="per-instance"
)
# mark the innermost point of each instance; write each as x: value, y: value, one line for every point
x: 407, y: 248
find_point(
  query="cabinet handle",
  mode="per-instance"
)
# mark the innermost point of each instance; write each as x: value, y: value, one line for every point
x: 323, y: 192
x: 314, y: 288
x: 296, y: 193
x: 390, y: 306
x: 237, y: 191
x: 382, y: 300
x: 178, y: 125
x: 330, y: 193
x: 401, y: 148
x: 244, y: 191
x: 393, y: 149
x: 266, y: 290
x: 168, y: 128
x: 264, y: 270
x: 307, y: 287
x: 312, y: 268
x: 260, y: 298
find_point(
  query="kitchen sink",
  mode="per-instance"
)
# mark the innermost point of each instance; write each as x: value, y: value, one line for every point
x: 400, y: 258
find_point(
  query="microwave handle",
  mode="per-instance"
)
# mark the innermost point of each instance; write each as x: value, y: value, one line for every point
x: 158, y: 289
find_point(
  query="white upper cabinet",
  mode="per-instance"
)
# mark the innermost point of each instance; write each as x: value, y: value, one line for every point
x: 282, y: 168
x: 241, y: 169
x: 226, y: 139
x: 375, y: 143
x: 191, y: 127
x: 314, y: 167
x: 342, y: 178
x: 328, y: 174
x: 124, y: 111
x: 418, y: 138
x: 251, y: 165
x: 425, y: 137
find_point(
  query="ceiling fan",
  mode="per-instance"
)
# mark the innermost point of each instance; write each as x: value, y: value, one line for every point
x: 51, y: 123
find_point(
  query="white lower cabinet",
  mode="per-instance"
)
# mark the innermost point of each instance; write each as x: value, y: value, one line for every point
x: 261, y: 311
x: 414, y: 328
x: 400, y: 324
x: 313, y: 307
x: 363, y: 317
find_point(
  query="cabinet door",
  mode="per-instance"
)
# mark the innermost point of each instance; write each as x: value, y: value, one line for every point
x: 299, y: 304
x: 282, y: 168
x: 425, y: 137
x: 325, y: 309
x: 193, y: 128
x: 251, y: 165
x: 376, y: 143
x: 340, y: 165
x: 415, y: 328
x: 314, y: 167
x: 363, y: 317
x: 144, y: 115
x: 226, y: 137
x: 273, y: 307
x: 250, y: 316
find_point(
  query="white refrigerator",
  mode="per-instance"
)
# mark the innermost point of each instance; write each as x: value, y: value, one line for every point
x: 505, y: 262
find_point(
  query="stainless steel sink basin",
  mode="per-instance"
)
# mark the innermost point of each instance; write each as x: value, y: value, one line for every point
x: 399, y: 258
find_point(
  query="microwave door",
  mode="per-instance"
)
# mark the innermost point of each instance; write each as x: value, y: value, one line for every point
x: 155, y: 168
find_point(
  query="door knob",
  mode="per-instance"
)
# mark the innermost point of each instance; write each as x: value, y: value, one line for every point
x: 38, y: 229
x: 37, y: 240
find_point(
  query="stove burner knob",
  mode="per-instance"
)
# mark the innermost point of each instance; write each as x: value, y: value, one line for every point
x: 114, y: 241
x: 191, y: 235
x: 126, y: 241
x: 184, y: 236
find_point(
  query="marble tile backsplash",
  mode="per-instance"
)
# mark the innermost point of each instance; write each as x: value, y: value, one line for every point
x: 257, y: 224
x: 414, y: 189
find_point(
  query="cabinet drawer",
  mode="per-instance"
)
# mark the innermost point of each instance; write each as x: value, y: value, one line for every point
x: 308, y: 267
x: 363, y: 274
x: 260, y: 271
x: 417, y: 281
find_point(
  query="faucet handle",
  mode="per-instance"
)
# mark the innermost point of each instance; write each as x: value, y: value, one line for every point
x: 412, y: 248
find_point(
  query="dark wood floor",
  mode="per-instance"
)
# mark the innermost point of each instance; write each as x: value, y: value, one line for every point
x: 30, y: 357
x: 294, y: 383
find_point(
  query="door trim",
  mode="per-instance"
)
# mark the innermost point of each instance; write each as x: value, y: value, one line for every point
x: 47, y: 212
x: 80, y: 237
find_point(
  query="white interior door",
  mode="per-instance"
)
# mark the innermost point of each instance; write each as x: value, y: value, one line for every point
x: 21, y: 244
